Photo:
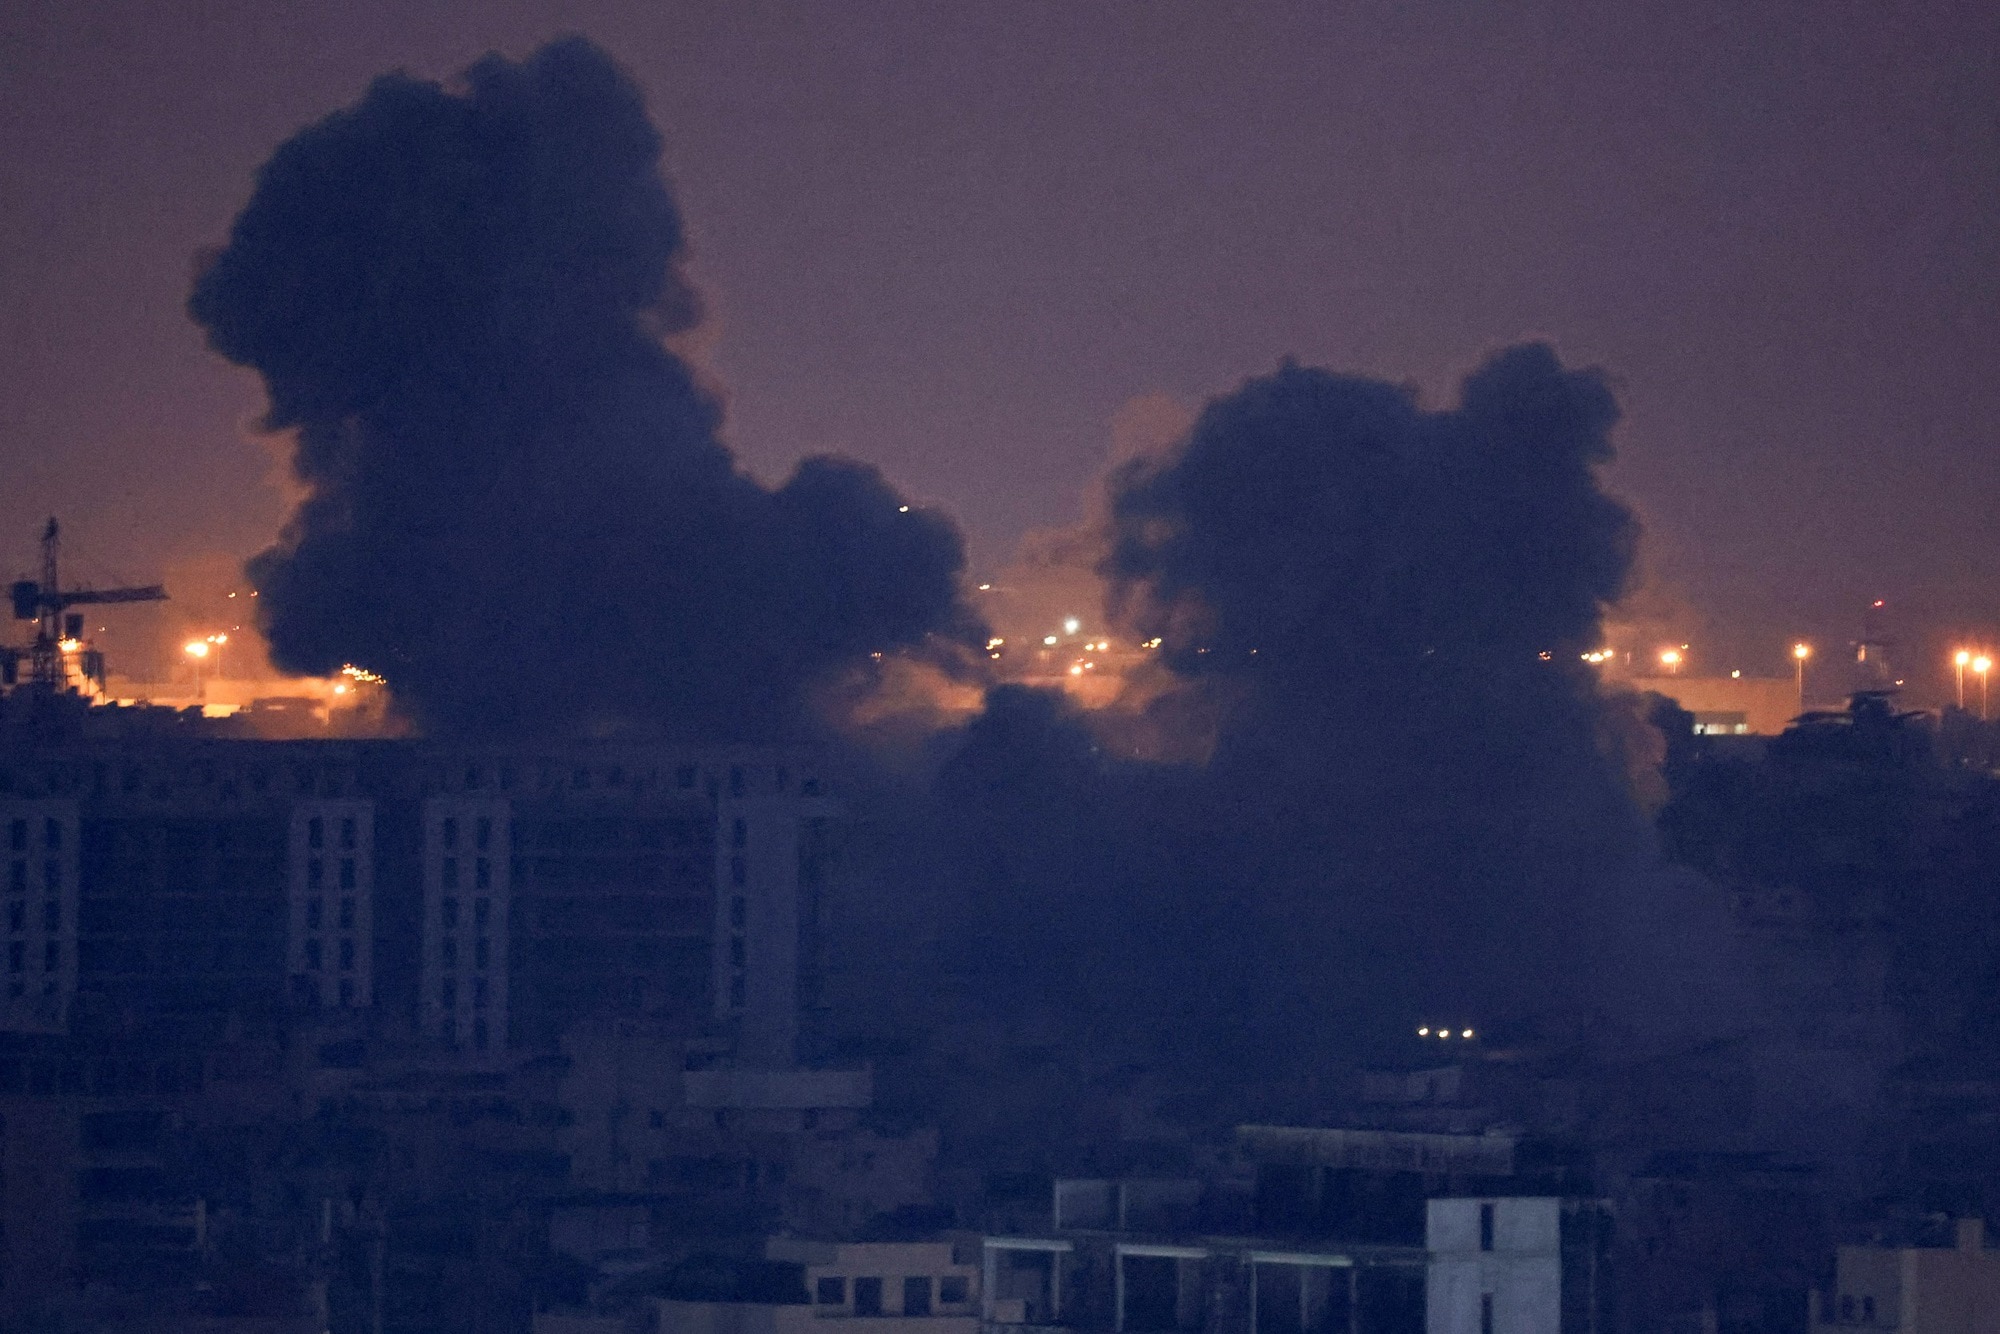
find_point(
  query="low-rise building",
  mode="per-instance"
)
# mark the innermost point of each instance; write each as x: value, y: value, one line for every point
x: 1915, y: 1289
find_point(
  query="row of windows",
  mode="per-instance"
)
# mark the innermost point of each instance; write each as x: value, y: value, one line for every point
x: 448, y: 952
x: 316, y: 832
x: 17, y: 916
x: 952, y: 1290
x: 51, y: 956
x: 315, y: 911
x: 482, y: 913
x: 482, y: 832
x: 316, y: 873
x: 52, y: 835
x: 448, y: 993
x: 482, y: 873
x: 315, y: 957
x: 52, y: 877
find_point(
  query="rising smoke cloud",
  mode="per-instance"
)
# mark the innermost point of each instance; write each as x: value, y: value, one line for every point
x: 518, y: 506
x: 1415, y: 809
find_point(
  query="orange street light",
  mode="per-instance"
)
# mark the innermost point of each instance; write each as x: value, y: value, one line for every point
x: 1960, y: 660
x: 1800, y: 652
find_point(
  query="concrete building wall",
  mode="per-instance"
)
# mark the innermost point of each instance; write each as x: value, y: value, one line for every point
x: 467, y: 865
x: 1495, y: 1266
x: 40, y: 837
x: 330, y: 902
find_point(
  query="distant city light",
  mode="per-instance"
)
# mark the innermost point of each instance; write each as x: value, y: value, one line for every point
x: 1071, y: 625
x: 1049, y: 639
x: 70, y: 645
x: 1961, y: 658
x: 984, y: 588
x: 1801, y: 651
x: 1465, y: 1033
x: 1982, y: 664
x: 1670, y: 658
x: 902, y: 509
x: 195, y: 648
x: 1423, y: 1032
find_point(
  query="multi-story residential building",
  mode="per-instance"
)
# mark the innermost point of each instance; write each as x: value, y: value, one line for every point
x: 491, y: 898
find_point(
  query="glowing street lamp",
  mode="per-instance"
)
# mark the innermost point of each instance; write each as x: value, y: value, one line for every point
x: 1670, y: 658
x: 1800, y: 652
x: 1959, y: 660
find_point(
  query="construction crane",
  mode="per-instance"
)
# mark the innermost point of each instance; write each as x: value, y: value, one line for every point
x: 59, y: 661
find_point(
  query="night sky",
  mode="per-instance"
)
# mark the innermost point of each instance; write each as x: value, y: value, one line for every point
x: 953, y: 239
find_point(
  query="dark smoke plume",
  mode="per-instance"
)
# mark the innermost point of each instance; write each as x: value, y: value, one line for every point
x: 518, y: 508
x: 1416, y: 809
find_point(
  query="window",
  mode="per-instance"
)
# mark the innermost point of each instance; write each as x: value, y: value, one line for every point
x: 482, y: 835
x: 347, y: 914
x: 448, y: 994
x: 313, y: 913
x: 867, y: 1291
x: 448, y: 951
x: 312, y: 954
x: 17, y: 955
x: 346, y: 991
x: 52, y: 877
x: 1867, y: 1310
x: 954, y: 1290
x: 829, y: 1291
x: 52, y: 834
x: 17, y: 878
x: 315, y: 833
x: 479, y: 952
x: 482, y: 874
x: 1485, y: 1227
x: 448, y: 834
x: 315, y: 873
x: 1486, y: 1313
x: 52, y: 915
x: 684, y: 776
x: 347, y: 873
x: 1846, y: 1310
x: 17, y: 836
x: 17, y: 916
x: 448, y: 913
x: 739, y: 872
x: 347, y: 832
x: 738, y: 953
x: 482, y: 912
x: 478, y: 993
x: 472, y: 779
x: 739, y: 833
x: 347, y: 955
x: 737, y: 997
x: 448, y: 873
x: 479, y: 1034
x: 739, y: 912
x: 917, y: 1295
x: 51, y: 956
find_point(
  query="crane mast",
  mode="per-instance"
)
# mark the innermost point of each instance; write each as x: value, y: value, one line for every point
x: 59, y: 661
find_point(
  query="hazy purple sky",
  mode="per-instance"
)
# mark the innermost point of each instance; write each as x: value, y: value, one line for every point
x: 953, y: 237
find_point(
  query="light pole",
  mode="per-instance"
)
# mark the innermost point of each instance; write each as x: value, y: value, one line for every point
x: 1800, y: 652
x: 1959, y: 660
x: 1981, y: 665
x: 196, y: 649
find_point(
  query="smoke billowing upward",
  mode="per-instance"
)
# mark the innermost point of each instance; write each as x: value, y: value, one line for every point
x: 1416, y: 806
x: 518, y: 507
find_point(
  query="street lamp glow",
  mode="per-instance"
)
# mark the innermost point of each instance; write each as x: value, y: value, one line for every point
x: 1670, y: 658
x: 1982, y: 664
x: 197, y: 648
x: 1801, y: 651
x: 1071, y: 625
x: 1961, y: 658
